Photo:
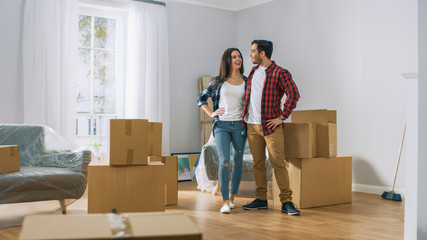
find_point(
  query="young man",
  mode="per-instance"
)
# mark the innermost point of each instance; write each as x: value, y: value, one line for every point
x: 263, y: 115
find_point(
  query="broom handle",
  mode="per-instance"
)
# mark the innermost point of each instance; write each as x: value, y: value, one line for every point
x: 398, y: 159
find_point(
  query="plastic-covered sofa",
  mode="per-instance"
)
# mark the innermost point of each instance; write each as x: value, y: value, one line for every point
x: 207, y: 168
x: 50, y: 169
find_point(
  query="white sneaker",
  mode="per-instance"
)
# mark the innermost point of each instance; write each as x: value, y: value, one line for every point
x: 225, y: 209
x: 232, y: 205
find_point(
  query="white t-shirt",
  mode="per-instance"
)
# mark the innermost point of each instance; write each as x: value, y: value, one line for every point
x: 254, y: 108
x: 232, y: 101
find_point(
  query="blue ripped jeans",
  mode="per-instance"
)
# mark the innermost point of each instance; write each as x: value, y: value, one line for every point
x: 226, y: 133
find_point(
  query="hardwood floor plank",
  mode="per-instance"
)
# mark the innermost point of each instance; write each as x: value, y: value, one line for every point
x: 367, y: 217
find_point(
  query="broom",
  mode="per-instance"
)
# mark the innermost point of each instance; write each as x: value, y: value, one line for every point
x: 392, y: 195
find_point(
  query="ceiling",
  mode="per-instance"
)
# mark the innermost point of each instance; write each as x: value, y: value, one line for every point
x: 233, y: 5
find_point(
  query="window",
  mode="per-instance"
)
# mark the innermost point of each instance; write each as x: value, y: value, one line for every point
x: 100, y: 68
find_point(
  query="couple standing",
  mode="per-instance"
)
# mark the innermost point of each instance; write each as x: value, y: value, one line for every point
x: 251, y: 106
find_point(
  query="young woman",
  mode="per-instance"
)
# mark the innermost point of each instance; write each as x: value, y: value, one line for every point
x: 227, y: 92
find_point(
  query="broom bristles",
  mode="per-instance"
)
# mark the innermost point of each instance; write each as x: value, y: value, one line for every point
x: 392, y: 196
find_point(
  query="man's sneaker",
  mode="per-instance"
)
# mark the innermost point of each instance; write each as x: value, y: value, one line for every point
x: 256, y: 204
x: 289, y: 208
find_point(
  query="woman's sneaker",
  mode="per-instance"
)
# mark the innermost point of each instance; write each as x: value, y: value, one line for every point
x: 232, y: 205
x: 225, y: 209
x: 289, y: 208
x: 256, y: 204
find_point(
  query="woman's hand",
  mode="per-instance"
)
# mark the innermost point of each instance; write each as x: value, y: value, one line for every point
x: 218, y: 112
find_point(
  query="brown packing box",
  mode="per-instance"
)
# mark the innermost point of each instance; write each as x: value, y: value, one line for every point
x: 318, y: 181
x: 300, y: 140
x: 326, y: 129
x: 171, y: 180
x: 128, y: 142
x: 159, y: 226
x: 126, y: 188
x: 203, y: 83
x: 9, y: 158
x: 155, y: 139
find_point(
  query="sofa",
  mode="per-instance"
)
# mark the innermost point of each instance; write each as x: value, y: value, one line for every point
x: 50, y: 168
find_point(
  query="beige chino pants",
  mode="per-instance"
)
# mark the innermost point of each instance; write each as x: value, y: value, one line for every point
x: 276, y: 153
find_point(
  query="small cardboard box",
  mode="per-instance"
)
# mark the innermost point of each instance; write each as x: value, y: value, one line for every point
x: 9, y: 158
x: 300, y: 140
x: 126, y: 188
x: 206, y: 132
x: 326, y: 129
x: 159, y: 226
x: 171, y: 174
x: 129, y: 142
x: 318, y: 181
x: 155, y: 139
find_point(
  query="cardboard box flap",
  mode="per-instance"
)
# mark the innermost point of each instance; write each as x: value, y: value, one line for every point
x: 162, y: 225
x: 94, y: 226
x: 314, y: 116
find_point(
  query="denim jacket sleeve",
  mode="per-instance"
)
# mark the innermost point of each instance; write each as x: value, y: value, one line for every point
x: 208, y: 92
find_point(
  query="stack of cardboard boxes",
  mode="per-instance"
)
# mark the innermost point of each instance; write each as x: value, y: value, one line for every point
x: 205, y: 119
x: 317, y: 175
x: 138, y: 178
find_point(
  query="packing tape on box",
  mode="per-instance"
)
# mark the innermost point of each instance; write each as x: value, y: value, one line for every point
x: 205, y: 122
x: 120, y: 225
x: 128, y: 127
x: 129, y: 156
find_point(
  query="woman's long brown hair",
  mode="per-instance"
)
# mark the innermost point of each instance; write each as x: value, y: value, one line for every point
x: 225, y: 66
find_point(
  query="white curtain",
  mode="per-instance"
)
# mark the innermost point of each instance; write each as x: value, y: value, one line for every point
x: 147, y: 85
x: 50, y: 37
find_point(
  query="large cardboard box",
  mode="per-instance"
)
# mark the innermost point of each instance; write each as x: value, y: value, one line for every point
x: 159, y: 226
x: 9, y: 158
x: 326, y: 129
x: 129, y: 141
x: 318, y: 181
x: 126, y: 188
x: 155, y: 139
x: 171, y: 177
x: 300, y: 140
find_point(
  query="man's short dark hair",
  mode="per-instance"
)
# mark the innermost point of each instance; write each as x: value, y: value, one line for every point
x: 264, y: 45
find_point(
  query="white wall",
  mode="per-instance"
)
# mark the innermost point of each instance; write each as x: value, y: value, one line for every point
x: 11, y: 103
x: 348, y: 56
x: 197, y: 38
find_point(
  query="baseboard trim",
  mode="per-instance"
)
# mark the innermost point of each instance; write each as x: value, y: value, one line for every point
x: 372, y: 189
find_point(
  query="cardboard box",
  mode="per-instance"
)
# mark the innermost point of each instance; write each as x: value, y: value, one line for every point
x: 204, y: 81
x: 318, y: 181
x: 126, y: 188
x: 155, y: 139
x: 326, y: 129
x: 128, y: 142
x: 9, y: 158
x: 159, y: 226
x: 171, y: 177
x: 300, y: 140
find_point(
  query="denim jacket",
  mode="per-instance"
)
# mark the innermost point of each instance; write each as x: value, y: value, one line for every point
x: 215, y: 94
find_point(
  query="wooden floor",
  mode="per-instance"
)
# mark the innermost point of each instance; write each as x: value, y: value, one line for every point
x: 367, y: 217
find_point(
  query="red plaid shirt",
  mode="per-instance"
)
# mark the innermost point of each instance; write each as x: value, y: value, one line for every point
x: 278, y: 81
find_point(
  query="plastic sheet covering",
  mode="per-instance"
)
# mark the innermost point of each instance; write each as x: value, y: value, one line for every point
x: 207, y: 170
x: 51, y: 168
